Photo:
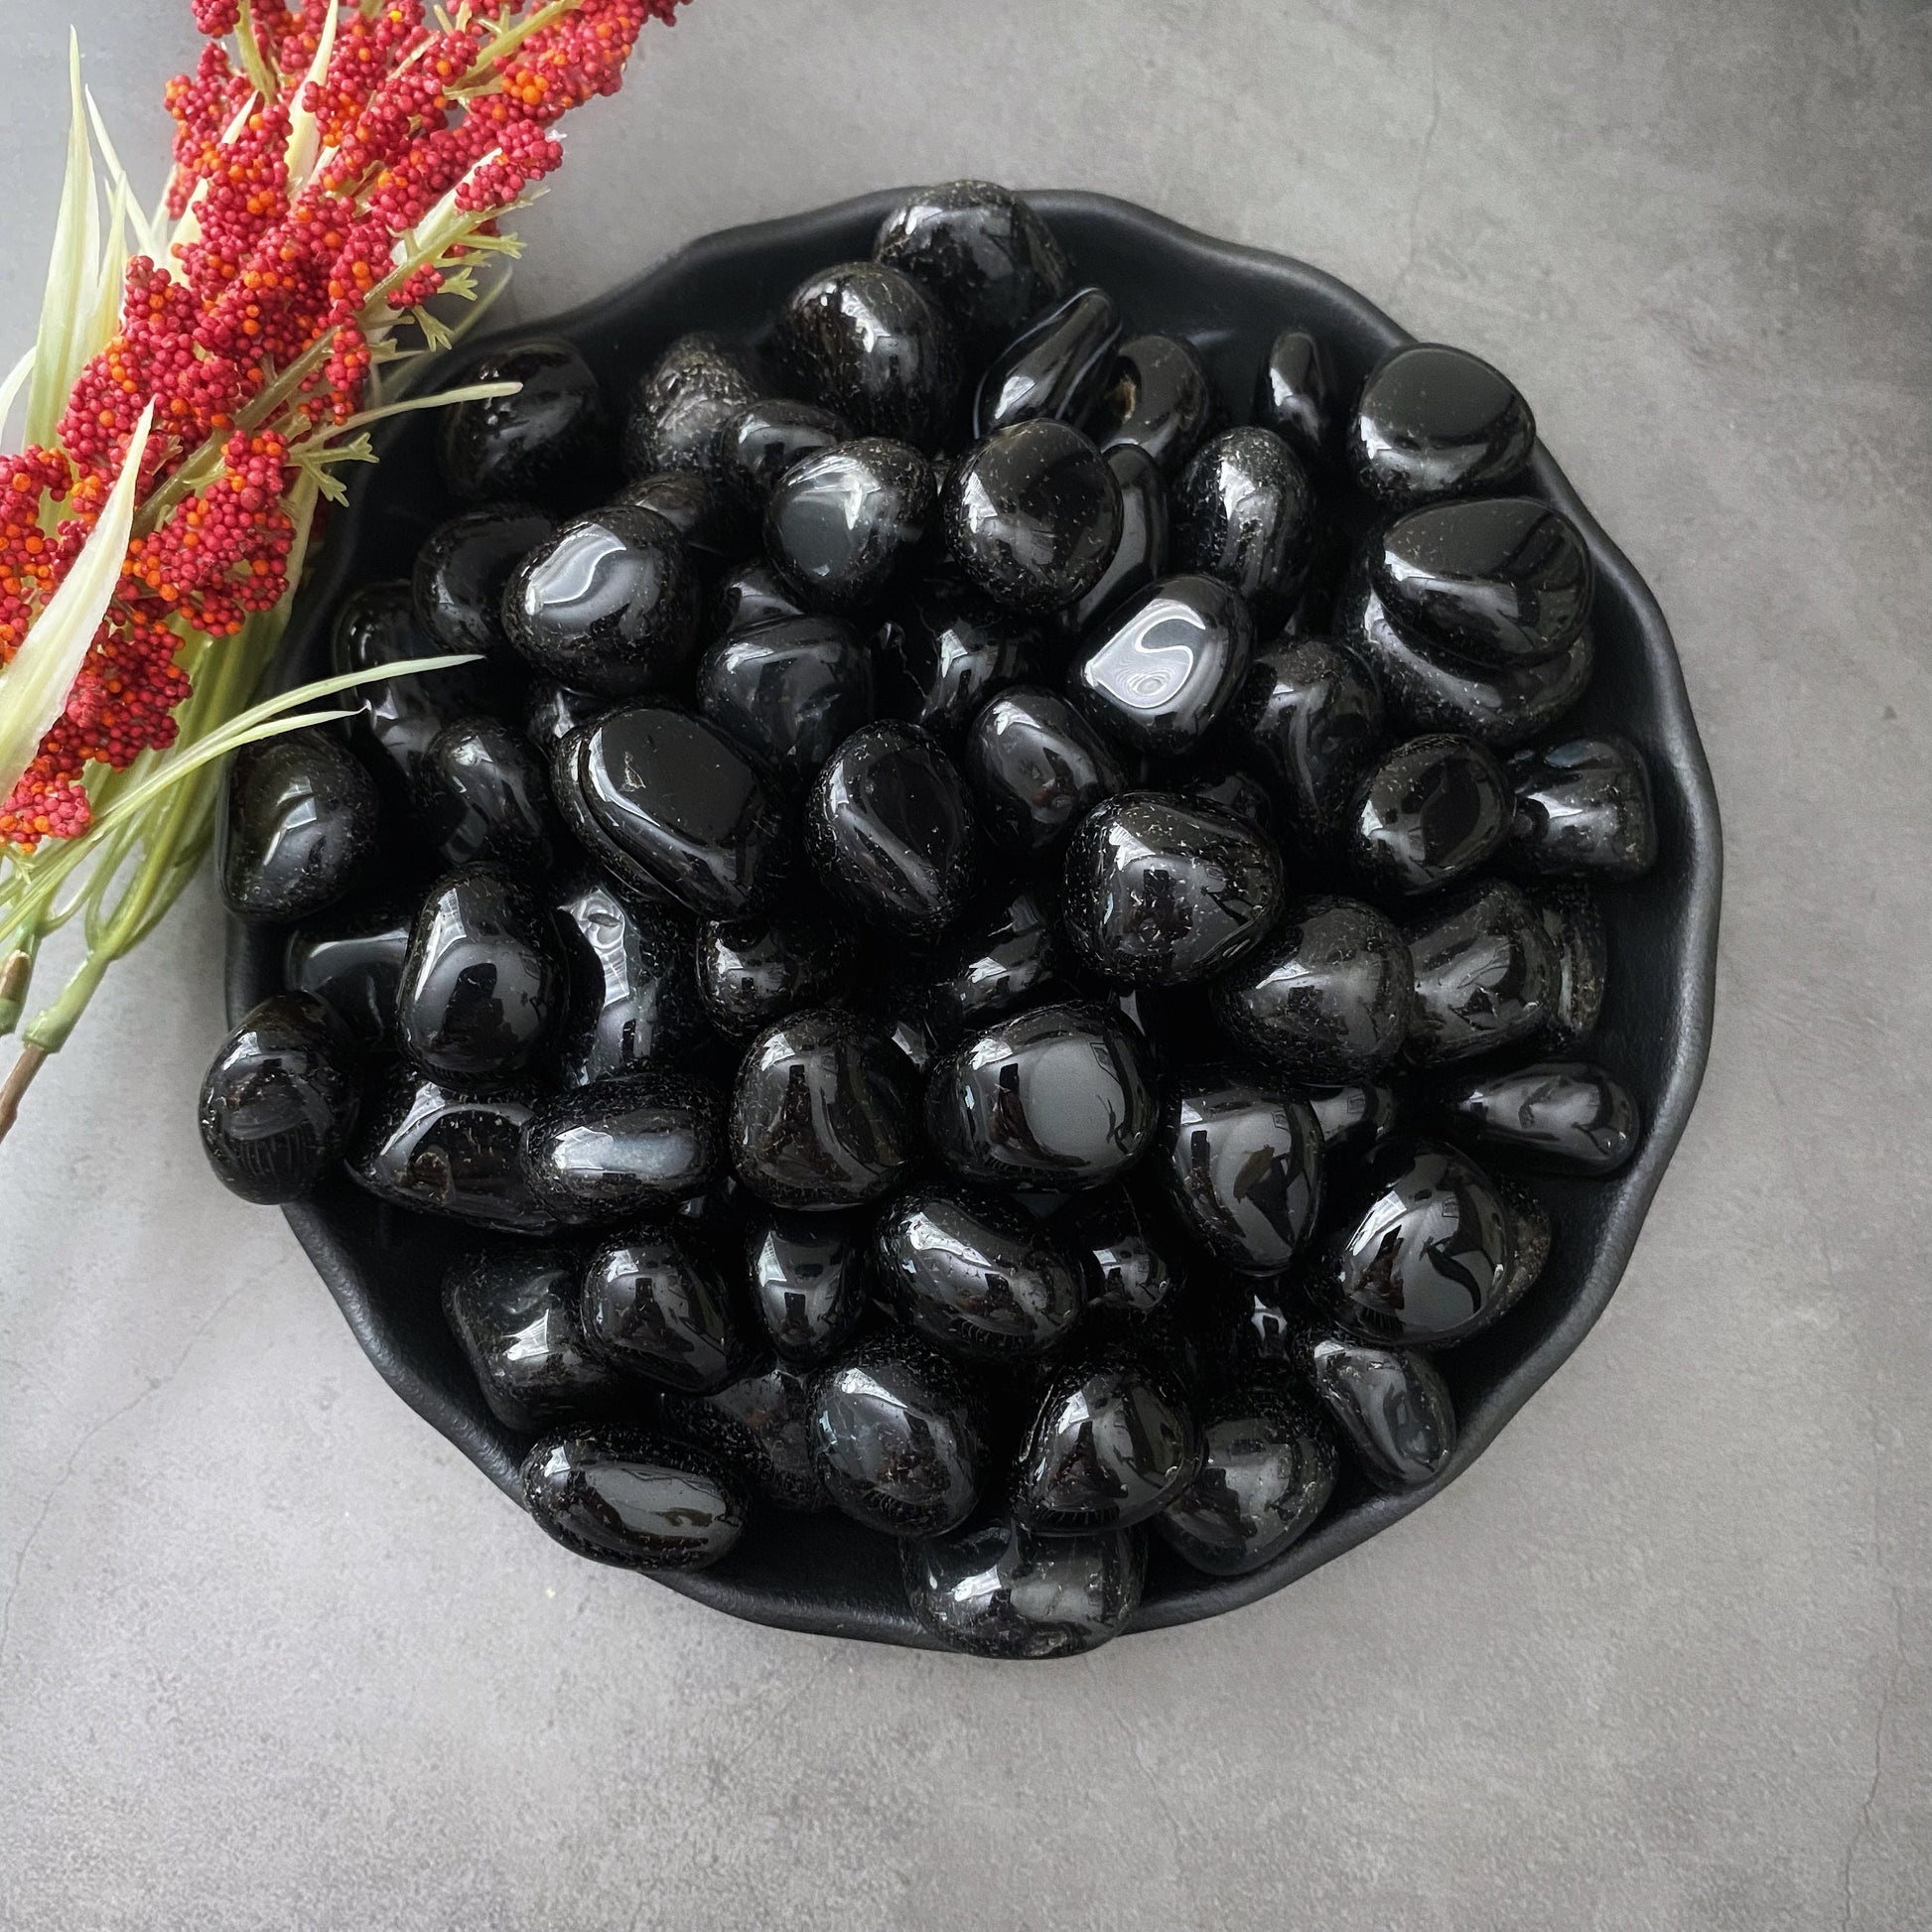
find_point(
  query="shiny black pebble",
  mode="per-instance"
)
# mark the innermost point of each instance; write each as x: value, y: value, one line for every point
x: 351, y: 960
x: 1434, y: 421
x: 810, y: 1282
x: 752, y: 972
x: 1052, y: 368
x: 462, y: 569
x: 1037, y: 768
x: 753, y: 594
x: 1161, y: 669
x: 1391, y: 1405
x: 634, y: 996
x: 1565, y: 1115
x: 1583, y: 808
x: 1429, y: 812
x: 1295, y: 395
x: 624, y: 1148
x: 1141, y: 555
x: 482, y: 793
x: 1156, y: 400
x: 555, y: 711
x: 1569, y: 914
x: 759, y: 1424
x: 1243, y: 1165
x: 280, y: 1100
x: 654, y: 1305
x: 540, y: 439
x: 1230, y: 790
x: 1355, y: 1118
x: 943, y: 653
x: 1127, y: 1269
x: 622, y: 1496
x: 514, y: 1312
x: 1312, y: 714
x: 790, y: 691
x: 1486, y: 971
x: 717, y: 526
x: 843, y: 524
x: 1244, y: 513
x: 681, y: 403
x: 300, y: 819
x: 759, y: 441
x: 990, y: 966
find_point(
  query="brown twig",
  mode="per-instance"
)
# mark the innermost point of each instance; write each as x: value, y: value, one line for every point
x: 19, y: 1079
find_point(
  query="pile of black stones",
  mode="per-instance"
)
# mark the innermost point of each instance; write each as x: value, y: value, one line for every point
x: 963, y: 955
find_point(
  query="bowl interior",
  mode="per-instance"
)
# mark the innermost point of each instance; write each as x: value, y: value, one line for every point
x: 824, y: 1573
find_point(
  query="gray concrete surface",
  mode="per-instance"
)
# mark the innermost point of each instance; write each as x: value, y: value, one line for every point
x: 273, y: 1656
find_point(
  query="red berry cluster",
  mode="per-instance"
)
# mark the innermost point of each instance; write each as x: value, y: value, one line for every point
x: 273, y: 283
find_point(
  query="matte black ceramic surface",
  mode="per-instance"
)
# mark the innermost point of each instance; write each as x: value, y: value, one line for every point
x: 827, y: 1575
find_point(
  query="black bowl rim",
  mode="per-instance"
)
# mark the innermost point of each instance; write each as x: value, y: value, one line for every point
x: 1482, y: 1420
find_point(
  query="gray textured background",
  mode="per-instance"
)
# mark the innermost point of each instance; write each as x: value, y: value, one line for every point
x: 272, y: 1655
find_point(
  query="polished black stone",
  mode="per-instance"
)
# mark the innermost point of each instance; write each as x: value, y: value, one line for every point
x: 1569, y: 914
x: 1429, y: 812
x: 1033, y: 515
x: 998, y: 1590
x: 623, y: 1496
x: 1354, y: 1117
x: 1418, y: 1248
x: 810, y: 1282
x: 1434, y: 421
x: 1532, y: 1234
x: 1037, y: 768
x: 1267, y: 1470
x: 1052, y: 368
x: 1230, y: 790
x: 718, y: 526
x: 898, y: 1437
x: 1141, y: 555
x: 752, y: 972
x: 991, y: 261
x: 758, y: 442
x: 1295, y: 395
x: 1583, y: 808
x: 991, y: 964
x: 841, y: 525
x: 1565, y: 1115
x: 890, y: 831
x: 1243, y: 1167
x: 1312, y: 714
x: 790, y: 691
x: 624, y: 1148
x: 610, y: 604
x: 654, y: 1305
x: 1330, y: 997
x: 1111, y: 1443
x: 1162, y: 668
x: 280, y: 1100
x: 1498, y: 580
x: 1156, y: 400
x: 751, y: 595
x: 976, y: 1275
x: 1486, y: 971
x: 1391, y: 1405
x: 514, y: 1312
x: 555, y: 711
x: 1432, y: 691
x: 462, y: 569
x: 351, y: 960
x: 1127, y: 1267
x: 481, y: 792
x: 540, y: 439
x: 1058, y: 1097
x: 1244, y: 513
x: 680, y: 404
x: 425, y: 1146
x: 634, y: 996
x: 761, y: 1425
x: 823, y: 1111
x: 482, y: 985
x: 943, y: 653
x: 675, y: 808
x: 300, y: 819
x: 1158, y: 891
x: 868, y: 341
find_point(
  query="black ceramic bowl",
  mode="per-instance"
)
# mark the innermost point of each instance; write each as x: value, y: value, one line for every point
x: 827, y: 1575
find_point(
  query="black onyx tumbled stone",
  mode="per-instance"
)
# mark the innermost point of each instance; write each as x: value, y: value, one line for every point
x: 537, y: 442
x: 1434, y: 421
x: 1294, y: 394
x: 716, y: 524
x: 1156, y: 400
x: 279, y: 1100
x: 462, y: 569
x: 675, y: 809
x: 898, y: 1437
x: 1499, y: 580
x: 842, y: 525
x: 985, y: 253
x: 1243, y: 1165
x: 1162, y: 668
x: 975, y: 1274
x: 761, y: 1424
x: 945, y: 650
x: 1111, y: 1443
x: 609, y: 603
x: 1233, y: 789
x: 1583, y: 806
x: 1356, y: 1117
x: 1312, y: 714
x: 998, y: 1590
x: 1485, y: 974
x: 753, y: 594
x: 1418, y: 1248
x: 625, y: 1147
x: 645, y: 1502
x: 1158, y: 891
x: 1140, y: 556
x: 759, y: 441
x: 1565, y: 1115
x: 555, y: 711
x: 1058, y: 1098
x: 809, y: 1280
x: 790, y: 691
x: 869, y: 343
x: 514, y: 1312
x: 351, y: 960
x: 752, y: 972
x: 634, y: 996
x: 1126, y: 1262
x: 481, y: 792
x: 1243, y: 512
x: 680, y: 404
x: 1267, y: 1470
x: 1391, y: 1405
x: 298, y: 822
x: 997, y: 960
x: 823, y: 1111
x: 655, y: 1306
x: 1032, y: 515
x: 1052, y: 368
x: 483, y: 986
x: 1329, y: 997
x: 1037, y: 767
x: 1569, y: 916
x: 1429, y: 812
x: 423, y: 1146
x: 889, y: 830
